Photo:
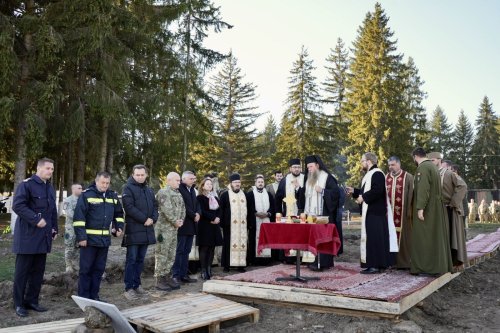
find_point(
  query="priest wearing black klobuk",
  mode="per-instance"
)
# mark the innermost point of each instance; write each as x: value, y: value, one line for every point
x: 320, y: 197
x: 234, y: 223
x: 260, y: 210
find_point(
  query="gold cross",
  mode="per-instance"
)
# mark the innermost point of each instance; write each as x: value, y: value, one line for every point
x: 289, y: 201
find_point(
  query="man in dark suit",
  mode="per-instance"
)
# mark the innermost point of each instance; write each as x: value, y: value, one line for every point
x: 35, y: 229
x: 186, y: 232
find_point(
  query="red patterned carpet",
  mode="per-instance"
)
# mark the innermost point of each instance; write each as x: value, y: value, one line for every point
x: 482, y: 244
x: 344, y: 279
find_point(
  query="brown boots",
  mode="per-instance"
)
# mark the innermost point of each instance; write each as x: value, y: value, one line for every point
x: 162, y: 284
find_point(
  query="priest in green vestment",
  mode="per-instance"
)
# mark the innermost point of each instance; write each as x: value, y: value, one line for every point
x: 430, y: 246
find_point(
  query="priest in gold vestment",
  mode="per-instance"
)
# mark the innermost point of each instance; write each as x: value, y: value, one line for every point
x: 234, y: 223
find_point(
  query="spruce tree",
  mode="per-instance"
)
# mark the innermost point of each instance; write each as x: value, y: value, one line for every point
x: 233, y: 114
x: 303, y: 122
x: 461, y: 148
x: 378, y: 119
x: 334, y: 88
x: 440, y: 132
x: 413, y: 98
x: 485, y: 167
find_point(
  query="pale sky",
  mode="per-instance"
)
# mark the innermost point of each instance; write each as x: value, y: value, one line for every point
x: 455, y: 45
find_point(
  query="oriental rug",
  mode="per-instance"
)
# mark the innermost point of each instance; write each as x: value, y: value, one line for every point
x: 483, y: 243
x: 344, y: 280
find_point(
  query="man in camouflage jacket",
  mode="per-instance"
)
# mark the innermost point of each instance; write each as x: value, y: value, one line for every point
x: 172, y: 213
x: 70, y: 249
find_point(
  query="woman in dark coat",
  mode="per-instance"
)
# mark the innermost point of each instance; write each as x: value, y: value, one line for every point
x: 209, y: 233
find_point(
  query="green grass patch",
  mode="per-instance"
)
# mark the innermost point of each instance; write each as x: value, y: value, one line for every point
x: 484, y: 227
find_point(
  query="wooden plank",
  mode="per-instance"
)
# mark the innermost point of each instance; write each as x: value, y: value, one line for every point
x: 192, y: 323
x: 213, y: 311
x: 414, y: 298
x: 315, y: 308
x: 171, y: 320
x: 176, y: 309
x: 205, y: 317
x: 59, y: 326
x: 298, y: 295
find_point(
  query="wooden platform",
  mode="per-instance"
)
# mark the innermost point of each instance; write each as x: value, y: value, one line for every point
x: 62, y: 326
x: 187, y: 313
x: 321, y: 300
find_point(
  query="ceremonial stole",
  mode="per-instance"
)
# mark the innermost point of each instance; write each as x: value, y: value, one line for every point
x: 395, y: 186
x: 366, y: 184
x: 239, y: 232
x: 262, y: 204
x: 290, y: 188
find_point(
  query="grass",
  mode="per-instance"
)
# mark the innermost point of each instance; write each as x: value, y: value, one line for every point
x: 55, y: 259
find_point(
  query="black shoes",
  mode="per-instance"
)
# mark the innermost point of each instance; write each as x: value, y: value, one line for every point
x: 36, y: 307
x: 315, y: 268
x: 21, y: 312
x: 241, y: 269
x: 370, y: 270
x: 226, y: 270
x: 205, y: 276
x: 187, y: 279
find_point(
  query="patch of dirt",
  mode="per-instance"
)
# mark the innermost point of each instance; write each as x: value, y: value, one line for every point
x: 469, y: 303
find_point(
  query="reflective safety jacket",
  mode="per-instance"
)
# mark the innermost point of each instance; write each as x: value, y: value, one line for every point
x: 96, y: 213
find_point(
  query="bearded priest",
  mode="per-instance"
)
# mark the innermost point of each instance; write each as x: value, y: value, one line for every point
x: 260, y: 210
x: 234, y: 218
x: 320, y: 197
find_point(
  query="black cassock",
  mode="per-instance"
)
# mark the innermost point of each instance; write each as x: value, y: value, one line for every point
x: 252, y: 229
x: 331, y: 203
x: 377, y: 229
x: 280, y: 206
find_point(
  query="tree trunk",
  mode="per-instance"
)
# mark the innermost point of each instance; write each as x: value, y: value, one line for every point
x: 80, y: 168
x: 20, y: 165
x: 70, y: 166
x: 104, y: 145
x: 110, y: 160
x: 186, y: 100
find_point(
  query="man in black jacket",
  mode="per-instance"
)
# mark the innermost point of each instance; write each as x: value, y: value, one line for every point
x: 98, y: 210
x: 186, y: 232
x: 141, y: 212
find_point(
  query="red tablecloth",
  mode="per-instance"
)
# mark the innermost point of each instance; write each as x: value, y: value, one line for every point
x: 314, y: 238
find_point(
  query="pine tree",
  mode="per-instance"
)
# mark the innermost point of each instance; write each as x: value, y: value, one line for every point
x: 485, y: 167
x: 334, y: 88
x: 303, y: 123
x: 378, y: 120
x: 232, y: 116
x: 265, y: 144
x: 462, y: 140
x: 337, y: 71
x: 197, y: 18
x: 413, y: 97
x: 440, y: 132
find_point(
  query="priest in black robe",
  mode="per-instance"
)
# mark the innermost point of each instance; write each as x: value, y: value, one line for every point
x: 234, y: 223
x: 320, y: 196
x: 377, y: 229
x: 291, y: 183
x: 260, y: 206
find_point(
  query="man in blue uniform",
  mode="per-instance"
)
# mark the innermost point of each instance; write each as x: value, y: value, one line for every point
x: 98, y: 209
x: 36, y: 227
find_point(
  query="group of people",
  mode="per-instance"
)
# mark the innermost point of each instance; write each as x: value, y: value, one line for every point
x: 487, y: 213
x: 407, y: 222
